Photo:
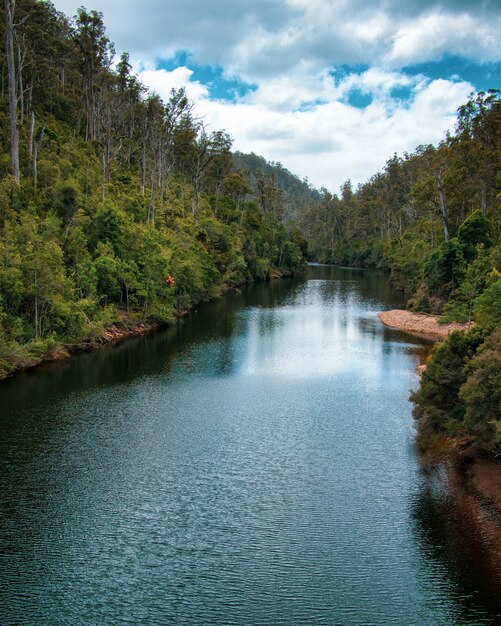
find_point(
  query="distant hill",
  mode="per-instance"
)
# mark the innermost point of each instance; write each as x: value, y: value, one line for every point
x: 297, y: 194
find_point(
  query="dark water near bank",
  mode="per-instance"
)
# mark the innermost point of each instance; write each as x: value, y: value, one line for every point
x: 254, y: 465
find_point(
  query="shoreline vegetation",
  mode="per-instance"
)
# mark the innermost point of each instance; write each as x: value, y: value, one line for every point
x: 457, y: 454
x: 120, y: 330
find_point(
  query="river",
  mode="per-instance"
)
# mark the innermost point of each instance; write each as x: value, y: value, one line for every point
x: 254, y: 464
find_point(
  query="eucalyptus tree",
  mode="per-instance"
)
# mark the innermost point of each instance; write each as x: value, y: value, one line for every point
x: 479, y: 125
x: 10, y: 35
x: 205, y: 149
x: 96, y: 53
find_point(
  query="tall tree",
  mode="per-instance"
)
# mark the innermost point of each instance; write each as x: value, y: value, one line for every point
x: 96, y: 55
x: 10, y: 33
x: 205, y: 149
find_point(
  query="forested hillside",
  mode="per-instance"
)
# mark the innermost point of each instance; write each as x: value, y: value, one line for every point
x: 276, y: 187
x: 433, y: 219
x: 115, y: 206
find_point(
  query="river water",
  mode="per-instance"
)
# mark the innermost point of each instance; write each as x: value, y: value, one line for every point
x: 253, y: 465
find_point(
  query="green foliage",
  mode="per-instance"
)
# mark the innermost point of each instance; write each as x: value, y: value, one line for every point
x: 487, y: 306
x: 460, y: 307
x: 445, y: 267
x: 437, y: 400
x: 481, y: 394
x: 66, y: 201
x: 475, y: 230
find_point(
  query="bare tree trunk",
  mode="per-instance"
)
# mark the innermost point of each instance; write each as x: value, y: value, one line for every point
x: 194, y: 202
x: 10, y: 6
x: 443, y: 207
x: 32, y: 133
x: 35, y: 166
x: 484, y: 197
x: 20, y: 64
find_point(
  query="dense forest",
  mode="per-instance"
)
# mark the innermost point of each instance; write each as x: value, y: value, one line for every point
x: 433, y: 219
x: 118, y: 208
x: 115, y: 206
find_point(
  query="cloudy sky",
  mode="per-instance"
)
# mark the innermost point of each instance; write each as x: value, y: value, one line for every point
x: 330, y: 88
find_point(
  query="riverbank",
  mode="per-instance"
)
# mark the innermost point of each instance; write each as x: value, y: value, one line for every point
x: 482, y: 474
x: 420, y: 324
x: 18, y: 358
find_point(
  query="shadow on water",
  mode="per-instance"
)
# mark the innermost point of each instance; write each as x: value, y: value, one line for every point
x: 144, y: 355
x: 460, y: 534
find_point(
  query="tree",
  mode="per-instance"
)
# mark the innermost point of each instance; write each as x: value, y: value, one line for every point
x: 475, y: 230
x: 205, y: 148
x: 437, y: 400
x: 487, y: 306
x: 10, y: 34
x: 481, y: 394
x: 96, y: 54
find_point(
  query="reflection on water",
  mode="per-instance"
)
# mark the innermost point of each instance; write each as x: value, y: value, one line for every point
x: 252, y: 465
x: 460, y: 533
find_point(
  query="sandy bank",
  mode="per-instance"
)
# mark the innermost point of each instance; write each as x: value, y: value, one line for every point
x: 419, y: 324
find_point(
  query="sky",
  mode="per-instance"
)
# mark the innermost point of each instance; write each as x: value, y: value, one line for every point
x: 329, y: 88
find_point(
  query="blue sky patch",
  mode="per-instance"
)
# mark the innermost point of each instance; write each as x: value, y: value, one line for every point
x: 402, y: 92
x: 220, y: 87
x: 359, y: 99
x: 482, y: 76
x: 339, y: 72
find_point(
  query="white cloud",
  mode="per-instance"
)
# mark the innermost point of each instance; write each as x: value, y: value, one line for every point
x: 162, y: 81
x: 433, y: 35
x: 299, y: 113
x: 255, y: 39
x: 330, y: 141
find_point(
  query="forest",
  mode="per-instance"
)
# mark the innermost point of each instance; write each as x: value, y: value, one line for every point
x: 115, y: 206
x: 119, y: 208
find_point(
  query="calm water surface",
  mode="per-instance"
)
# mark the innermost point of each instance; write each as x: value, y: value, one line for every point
x: 254, y: 465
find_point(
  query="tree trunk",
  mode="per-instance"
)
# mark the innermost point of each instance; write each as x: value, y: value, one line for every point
x: 484, y: 197
x: 443, y: 207
x: 194, y: 202
x: 32, y: 133
x: 10, y: 6
x: 20, y: 64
